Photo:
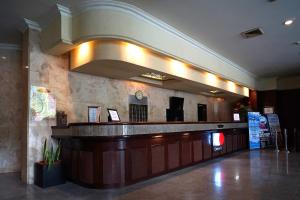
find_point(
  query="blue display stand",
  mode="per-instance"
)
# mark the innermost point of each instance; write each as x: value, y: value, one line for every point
x: 254, y: 130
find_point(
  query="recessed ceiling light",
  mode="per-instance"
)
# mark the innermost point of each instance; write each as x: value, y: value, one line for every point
x: 26, y: 67
x: 289, y: 22
x: 3, y: 57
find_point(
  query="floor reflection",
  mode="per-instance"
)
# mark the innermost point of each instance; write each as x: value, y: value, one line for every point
x: 218, y: 177
x: 259, y: 174
x: 287, y: 162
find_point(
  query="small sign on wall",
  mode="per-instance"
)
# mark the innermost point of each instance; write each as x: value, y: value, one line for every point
x: 236, y: 117
x: 268, y: 110
x: 42, y: 103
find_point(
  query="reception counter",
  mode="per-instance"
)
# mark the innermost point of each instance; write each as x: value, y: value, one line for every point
x: 107, y: 155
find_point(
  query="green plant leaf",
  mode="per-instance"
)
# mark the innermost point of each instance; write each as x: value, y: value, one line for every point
x: 44, y: 150
x: 51, y: 156
x: 57, y: 152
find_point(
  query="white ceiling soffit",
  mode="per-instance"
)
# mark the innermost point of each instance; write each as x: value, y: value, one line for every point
x: 31, y: 24
x: 111, y: 19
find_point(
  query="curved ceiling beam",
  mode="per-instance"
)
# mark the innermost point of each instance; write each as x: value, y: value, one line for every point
x: 123, y: 60
x: 116, y: 20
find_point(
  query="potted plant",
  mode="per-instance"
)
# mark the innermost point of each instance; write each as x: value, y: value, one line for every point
x: 49, y: 171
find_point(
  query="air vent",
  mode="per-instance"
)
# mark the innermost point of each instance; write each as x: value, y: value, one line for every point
x: 252, y: 33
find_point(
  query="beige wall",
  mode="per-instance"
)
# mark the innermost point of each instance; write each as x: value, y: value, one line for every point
x: 10, y: 110
x: 74, y: 92
x: 279, y: 83
x: 289, y: 83
x: 86, y: 90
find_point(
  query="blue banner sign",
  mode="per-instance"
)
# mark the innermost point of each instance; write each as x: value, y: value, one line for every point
x: 254, y: 130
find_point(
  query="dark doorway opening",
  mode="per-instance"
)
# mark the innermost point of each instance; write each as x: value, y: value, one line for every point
x: 202, y: 112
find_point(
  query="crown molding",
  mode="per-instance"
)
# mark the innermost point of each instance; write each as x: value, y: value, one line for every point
x: 7, y: 46
x: 141, y: 14
x: 55, y: 11
x: 29, y: 24
x: 63, y: 10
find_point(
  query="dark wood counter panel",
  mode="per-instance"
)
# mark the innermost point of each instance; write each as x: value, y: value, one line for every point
x: 108, y: 162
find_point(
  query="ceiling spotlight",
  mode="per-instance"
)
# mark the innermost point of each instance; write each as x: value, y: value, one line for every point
x: 3, y: 57
x: 289, y: 22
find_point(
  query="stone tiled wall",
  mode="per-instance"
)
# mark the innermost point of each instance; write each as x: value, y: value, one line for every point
x: 74, y: 92
x: 10, y: 110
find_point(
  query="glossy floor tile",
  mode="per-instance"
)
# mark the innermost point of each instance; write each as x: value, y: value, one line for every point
x: 245, y: 175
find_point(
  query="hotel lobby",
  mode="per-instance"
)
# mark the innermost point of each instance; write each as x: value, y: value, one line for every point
x: 139, y: 99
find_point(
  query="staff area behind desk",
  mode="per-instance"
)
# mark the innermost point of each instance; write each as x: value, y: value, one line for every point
x: 108, y: 155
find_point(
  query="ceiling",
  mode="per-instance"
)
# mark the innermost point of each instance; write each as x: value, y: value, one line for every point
x: 214, y: 23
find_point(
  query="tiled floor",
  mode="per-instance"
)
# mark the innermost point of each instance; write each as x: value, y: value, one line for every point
x: 246, y: 175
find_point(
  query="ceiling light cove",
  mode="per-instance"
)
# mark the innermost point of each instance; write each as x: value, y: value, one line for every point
x: 211, y: 79
x: 231, y: 86
x: 123, y: 60
x: 289, y: 22
x: 178, y: 67
x: 84, y: 52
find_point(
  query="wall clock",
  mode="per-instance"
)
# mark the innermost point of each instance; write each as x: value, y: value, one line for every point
x: 139, y: 95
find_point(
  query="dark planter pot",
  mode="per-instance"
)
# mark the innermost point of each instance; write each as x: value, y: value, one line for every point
x: 45, y: 176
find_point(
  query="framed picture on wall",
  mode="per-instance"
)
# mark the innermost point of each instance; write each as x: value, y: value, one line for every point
x: 268, y: 110
x: 94, y: 114
x: 113, y: 115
